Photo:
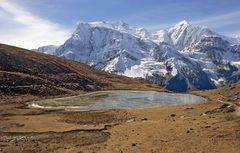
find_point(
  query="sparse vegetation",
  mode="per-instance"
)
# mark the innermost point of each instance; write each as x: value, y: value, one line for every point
x: 24, y: 72
x: 229, y: 93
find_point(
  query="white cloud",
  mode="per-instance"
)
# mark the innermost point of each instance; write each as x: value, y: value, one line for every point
x: 218, y: 21
x: 234, y: 33
x: 218, y: 18
x: 20, y: 27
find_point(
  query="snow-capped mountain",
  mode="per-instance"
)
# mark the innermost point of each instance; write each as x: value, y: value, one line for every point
x: 183, y: 57
x: 49, y: 49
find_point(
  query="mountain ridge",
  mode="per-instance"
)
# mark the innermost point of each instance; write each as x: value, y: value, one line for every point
x: 170, y: 57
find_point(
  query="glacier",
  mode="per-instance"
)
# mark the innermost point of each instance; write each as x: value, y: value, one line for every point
x: 181, y: 58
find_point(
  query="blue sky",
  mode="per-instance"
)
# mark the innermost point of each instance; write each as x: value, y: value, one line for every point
x: 32, y: 23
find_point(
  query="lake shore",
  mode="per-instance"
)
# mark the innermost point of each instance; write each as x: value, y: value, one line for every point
x: 209, y: 127
x: 117, y: 99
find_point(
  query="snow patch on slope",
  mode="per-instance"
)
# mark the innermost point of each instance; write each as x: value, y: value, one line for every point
x: 182, y: 57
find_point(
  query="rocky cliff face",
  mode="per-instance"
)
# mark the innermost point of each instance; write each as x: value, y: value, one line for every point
x: 184, y: 57
x: 49, y: 49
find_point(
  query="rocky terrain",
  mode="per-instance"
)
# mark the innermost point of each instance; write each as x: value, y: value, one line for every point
x: 208, y: 127
x: 26, y: 75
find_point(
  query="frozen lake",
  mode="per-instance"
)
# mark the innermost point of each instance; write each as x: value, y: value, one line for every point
x: 117, y: 99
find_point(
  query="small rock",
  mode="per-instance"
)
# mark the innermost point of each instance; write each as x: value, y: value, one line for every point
x: 208, y: 126
x: 223, y: 106
x: 231, y: 110
x: 188, y: 131
x: 182, y: 116
x: 106, y: 127
x: 203, y: 114
x: 131, y: 120
x: 188, y: 108
x: 173, y: 115
x: 134, y: 144
x: 164, y: 140
x: 144, y: 119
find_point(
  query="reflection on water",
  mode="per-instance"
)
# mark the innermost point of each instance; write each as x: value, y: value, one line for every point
x: 118, y: 99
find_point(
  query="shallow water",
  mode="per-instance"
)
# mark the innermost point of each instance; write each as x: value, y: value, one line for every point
x: 118, y: 99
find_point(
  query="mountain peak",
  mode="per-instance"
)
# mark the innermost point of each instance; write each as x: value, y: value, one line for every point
x: 121, y: 23
x: 118, y: 25
x: 94, y: 23
x: 183, y: 23
x: 184, y: 54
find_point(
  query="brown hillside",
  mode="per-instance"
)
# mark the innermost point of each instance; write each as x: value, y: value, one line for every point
x: 229, y: 93
x: 26, y: 72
